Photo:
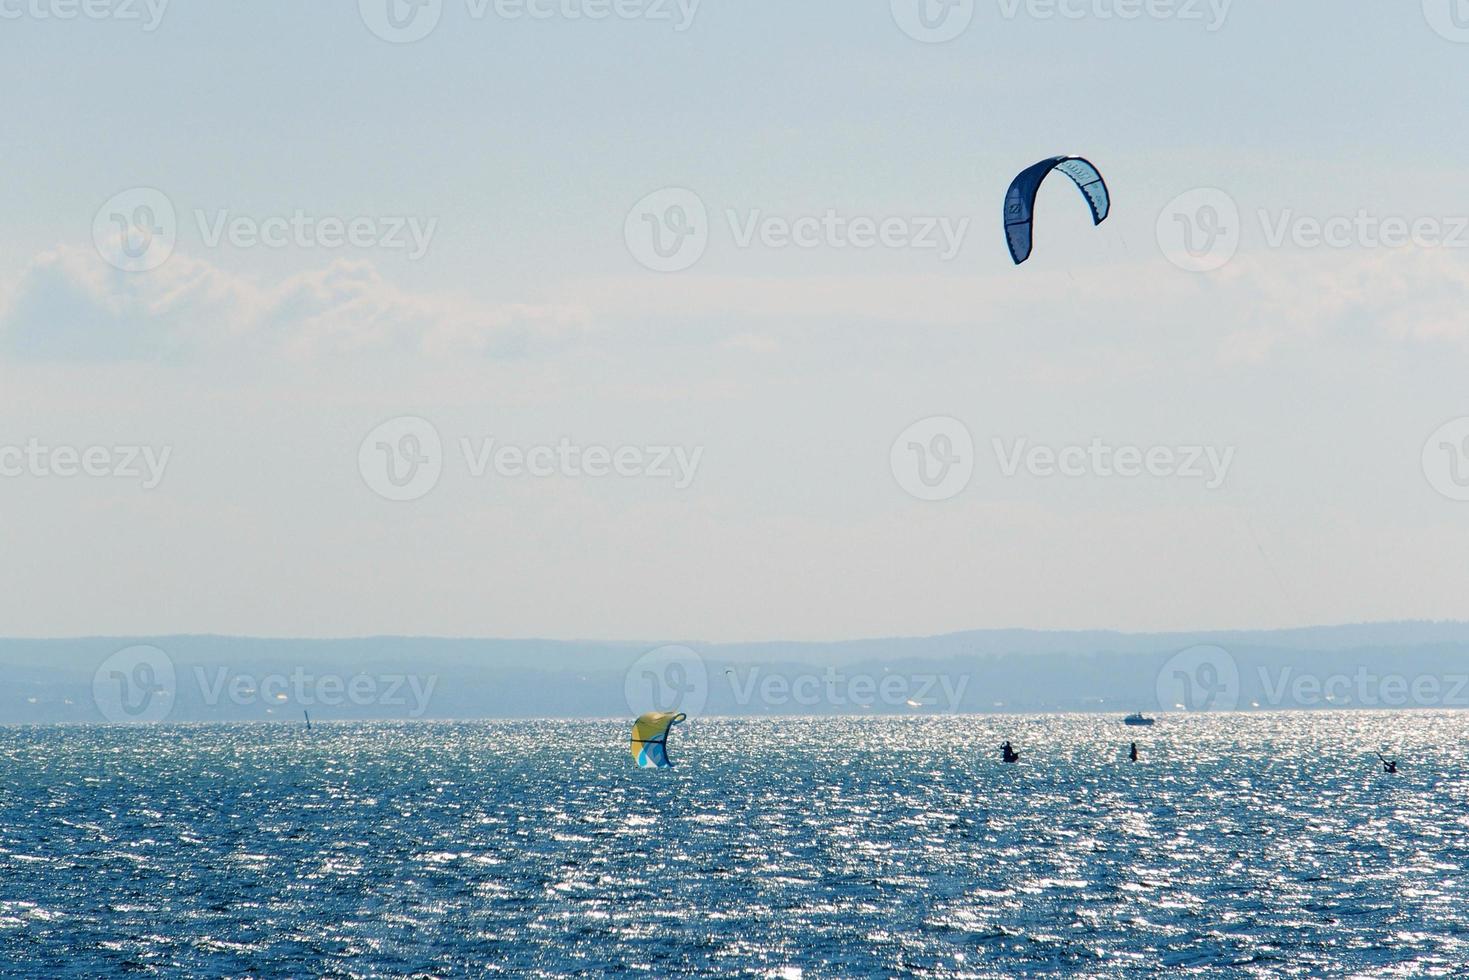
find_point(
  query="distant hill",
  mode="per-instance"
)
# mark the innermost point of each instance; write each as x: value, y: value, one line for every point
x: 214, y: 678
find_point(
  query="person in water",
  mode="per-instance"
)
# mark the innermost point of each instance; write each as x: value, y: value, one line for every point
x: 1132, y: 752
x: 1008, y: 753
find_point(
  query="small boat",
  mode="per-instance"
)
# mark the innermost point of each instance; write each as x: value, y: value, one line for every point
x: 1137, y: 719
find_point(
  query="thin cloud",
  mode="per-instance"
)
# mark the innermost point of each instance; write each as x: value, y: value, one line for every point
x: 70, y: 305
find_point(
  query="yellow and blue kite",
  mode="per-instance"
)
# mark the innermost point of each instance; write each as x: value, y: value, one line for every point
x: 650, y: 738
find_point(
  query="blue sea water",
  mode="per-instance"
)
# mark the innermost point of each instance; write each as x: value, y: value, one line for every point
x: 1259, y: 845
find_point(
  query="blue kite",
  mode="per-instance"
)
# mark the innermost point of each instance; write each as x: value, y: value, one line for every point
x: 1020, y: 200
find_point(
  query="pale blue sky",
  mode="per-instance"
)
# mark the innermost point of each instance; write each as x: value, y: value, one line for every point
x: 794, y: 370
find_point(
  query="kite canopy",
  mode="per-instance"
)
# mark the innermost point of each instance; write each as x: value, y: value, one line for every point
x: 650, y: 738
x: 1020, y: 201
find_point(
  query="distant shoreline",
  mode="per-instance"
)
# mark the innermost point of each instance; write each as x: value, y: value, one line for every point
x: 1410, y: 665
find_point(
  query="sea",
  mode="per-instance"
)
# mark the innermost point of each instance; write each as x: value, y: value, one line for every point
x: 1249, y: 845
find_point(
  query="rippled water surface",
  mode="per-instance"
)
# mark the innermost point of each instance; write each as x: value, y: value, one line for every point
x: 1259, y: 845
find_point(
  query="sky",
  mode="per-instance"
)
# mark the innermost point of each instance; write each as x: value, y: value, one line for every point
x: 649, y: 319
